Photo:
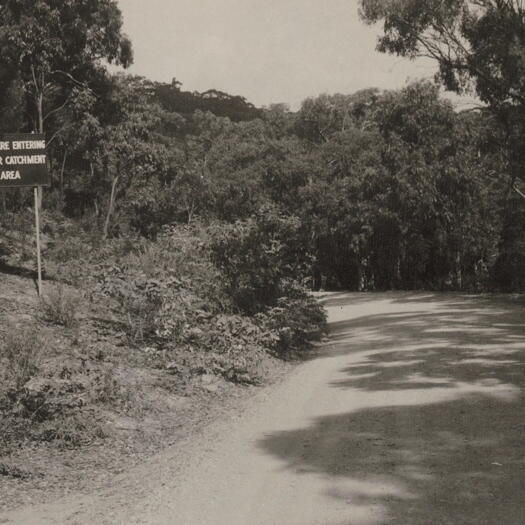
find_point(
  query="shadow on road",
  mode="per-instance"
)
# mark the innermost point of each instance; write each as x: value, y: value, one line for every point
x: 433, y: 429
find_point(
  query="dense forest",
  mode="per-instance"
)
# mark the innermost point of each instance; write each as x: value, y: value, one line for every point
x: 371, y: 190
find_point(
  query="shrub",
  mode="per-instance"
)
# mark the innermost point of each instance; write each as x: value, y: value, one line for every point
x: 158, y: 285
x: 295, y: 321
x: 262, y: 261
x: 232, y: 346
x: 256, y: 256
x: 21, y: 352
x: 140, y: 299
x: 60, y: 306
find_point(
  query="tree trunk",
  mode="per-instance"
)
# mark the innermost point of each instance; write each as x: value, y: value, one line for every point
x: 458, y: 272
x: 61, y: 182
x: 191, y: 210
x: 110, y: 207
x: 360, y: 276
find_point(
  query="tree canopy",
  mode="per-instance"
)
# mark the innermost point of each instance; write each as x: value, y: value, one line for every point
x: 367, y: 190
x: 51, y: 46
x: 477, y: 43
x: 479, y: 46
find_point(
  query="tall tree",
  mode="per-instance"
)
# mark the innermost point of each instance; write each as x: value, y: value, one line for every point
x: 127, y: 154
x: 479, y: 46
x: 55, y: 45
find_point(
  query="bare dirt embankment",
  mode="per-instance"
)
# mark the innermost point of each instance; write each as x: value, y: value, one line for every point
x: 413, y: 414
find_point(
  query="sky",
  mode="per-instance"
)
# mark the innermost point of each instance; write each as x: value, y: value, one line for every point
x: 269, y: 51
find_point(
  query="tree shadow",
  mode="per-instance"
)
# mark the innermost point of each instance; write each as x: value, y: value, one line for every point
x: 17, y: 270
x: 429, y: 427
x: 445, y: 463
x: 332, y: 299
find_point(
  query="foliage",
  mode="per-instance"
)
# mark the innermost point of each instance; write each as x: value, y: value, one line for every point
x: 60, y: 306
x: 472, y: 41
x: 256, y: 256
x: 479, y: 47
x: 52, y: 47
x: 508, y: 272
x: 140, y: 300
x: 21, y: 354
x: 402, y: 197
x: 69, y: 431
x: 228, y: 345
x: 295, y: 321
x: 369, y: 190
x: 172, y: 300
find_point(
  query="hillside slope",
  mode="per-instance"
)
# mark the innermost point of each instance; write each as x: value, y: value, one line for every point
x: 87, y: 406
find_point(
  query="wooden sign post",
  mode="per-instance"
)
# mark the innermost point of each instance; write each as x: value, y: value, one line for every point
x: 38, y: 251
x: 23, y: 163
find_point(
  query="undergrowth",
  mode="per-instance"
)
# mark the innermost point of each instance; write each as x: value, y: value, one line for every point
x: 21, y: 353
x: 196, y: 301
x: 60, y: 306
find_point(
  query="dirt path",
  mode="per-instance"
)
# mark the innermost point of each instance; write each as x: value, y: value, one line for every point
x: 413, y: 415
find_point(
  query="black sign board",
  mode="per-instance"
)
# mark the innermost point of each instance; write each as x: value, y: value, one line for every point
x: 23, y: 160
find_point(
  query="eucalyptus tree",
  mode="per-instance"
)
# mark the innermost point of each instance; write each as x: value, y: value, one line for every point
x: 127, y: 155
x: 52, y: 46
x: 479, y: 46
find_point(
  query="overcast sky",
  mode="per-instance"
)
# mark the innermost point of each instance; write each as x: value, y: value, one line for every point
x: 266, y: 50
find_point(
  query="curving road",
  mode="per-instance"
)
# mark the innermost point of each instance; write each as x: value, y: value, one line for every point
x: 413, y: 414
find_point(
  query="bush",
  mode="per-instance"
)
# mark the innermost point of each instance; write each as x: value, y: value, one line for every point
x: 193, y: 316
x: 256, y: 256
x: 60, y: 306
x: 21, y: 352
x: 262, y: 261
x: 295, y: 321
x: 232, y: 346
x: 158, y: 285
x: 140, y: 300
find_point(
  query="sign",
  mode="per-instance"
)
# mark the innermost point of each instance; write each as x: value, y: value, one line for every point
x: 23, y: 161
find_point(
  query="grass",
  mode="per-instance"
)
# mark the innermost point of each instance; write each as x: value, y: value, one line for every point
x: 21, y: 354
x: 60, y: 306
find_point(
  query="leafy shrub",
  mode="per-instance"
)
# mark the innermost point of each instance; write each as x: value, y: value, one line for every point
x: 158, y: 285
x: 191, y: 314
x: 183, y: 253
x: 294, y: 322
x: 60, y: 306
x: 262, y: 261
x: 232, y: 346
x: 140, y: 300
x: 256, y: 256
x: 21, y: 352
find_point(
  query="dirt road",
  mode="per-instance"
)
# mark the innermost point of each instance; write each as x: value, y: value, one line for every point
x: 412, y: 415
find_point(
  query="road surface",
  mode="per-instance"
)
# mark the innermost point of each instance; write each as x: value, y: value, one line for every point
x: 413, y: 414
